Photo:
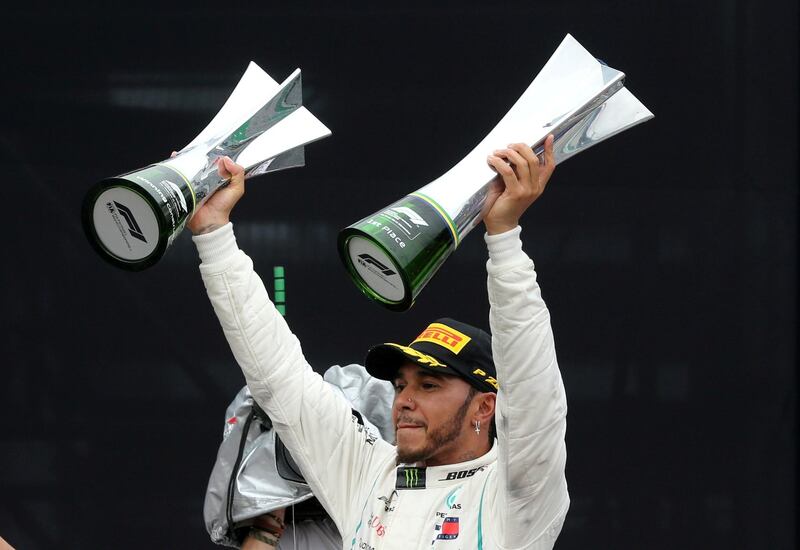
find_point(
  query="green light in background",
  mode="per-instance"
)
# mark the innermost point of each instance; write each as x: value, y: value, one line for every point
x: 279, y: 279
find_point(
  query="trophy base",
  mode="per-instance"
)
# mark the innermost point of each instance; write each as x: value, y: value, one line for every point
x: 374, y: 271
x: 392, y: 254
x: 131, y: 220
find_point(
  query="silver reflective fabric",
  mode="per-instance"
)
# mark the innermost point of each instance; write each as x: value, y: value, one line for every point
x: 258, y: 488
x: 370, y: 396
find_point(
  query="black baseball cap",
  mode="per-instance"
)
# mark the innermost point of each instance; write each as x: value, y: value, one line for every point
x: 446, y: 346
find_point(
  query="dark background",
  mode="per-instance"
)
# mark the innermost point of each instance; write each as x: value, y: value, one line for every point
x: 667, y: 254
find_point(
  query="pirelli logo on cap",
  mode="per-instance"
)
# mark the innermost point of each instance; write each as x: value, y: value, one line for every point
x: 445, y: 336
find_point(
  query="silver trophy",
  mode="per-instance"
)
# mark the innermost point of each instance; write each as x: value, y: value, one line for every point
x: 132, y: 219
x: 392, y: 254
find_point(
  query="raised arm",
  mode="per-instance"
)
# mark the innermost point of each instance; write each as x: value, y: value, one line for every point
x: 314, y: 421
x: 532, y: 497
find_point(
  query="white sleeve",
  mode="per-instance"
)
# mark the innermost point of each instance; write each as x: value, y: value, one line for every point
x: 314, y: 421
x: 531, y: 497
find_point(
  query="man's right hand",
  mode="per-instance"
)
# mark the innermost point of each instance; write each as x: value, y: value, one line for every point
x: 216, y: 211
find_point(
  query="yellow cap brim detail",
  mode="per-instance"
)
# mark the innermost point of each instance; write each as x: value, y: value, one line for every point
x: 417, y: 356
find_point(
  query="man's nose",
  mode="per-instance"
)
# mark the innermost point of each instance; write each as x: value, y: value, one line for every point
x: 405, y: 399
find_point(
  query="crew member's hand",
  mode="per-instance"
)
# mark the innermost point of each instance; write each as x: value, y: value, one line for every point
x: 266, y: 532
x: 216, y: 211
x: 524, y: 180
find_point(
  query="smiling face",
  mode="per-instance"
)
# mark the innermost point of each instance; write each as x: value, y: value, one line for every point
x: 433, y: 415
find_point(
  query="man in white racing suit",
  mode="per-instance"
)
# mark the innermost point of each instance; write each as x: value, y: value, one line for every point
x: 448, y: 484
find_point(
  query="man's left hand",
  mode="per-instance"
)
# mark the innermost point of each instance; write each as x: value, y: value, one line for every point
x: 524, y: 180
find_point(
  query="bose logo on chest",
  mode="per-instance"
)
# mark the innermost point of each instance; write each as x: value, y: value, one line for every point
x: 462, y: 474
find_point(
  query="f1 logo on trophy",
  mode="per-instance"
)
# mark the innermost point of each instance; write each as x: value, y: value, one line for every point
x: 392, y: 254
x: 131, y: 219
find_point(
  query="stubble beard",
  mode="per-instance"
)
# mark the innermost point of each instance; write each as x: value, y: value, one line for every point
x: 438, y: 438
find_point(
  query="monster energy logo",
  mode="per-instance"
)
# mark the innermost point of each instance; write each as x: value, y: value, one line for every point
x: 410, y: 478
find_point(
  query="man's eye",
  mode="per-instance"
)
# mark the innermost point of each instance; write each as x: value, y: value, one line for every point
x: 398, y: 388
x: 429, y: 386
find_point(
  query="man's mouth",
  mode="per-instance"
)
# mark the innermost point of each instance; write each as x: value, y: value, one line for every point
x: 409, y: 425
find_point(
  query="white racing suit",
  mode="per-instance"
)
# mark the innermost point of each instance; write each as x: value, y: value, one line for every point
x: 513, y: 497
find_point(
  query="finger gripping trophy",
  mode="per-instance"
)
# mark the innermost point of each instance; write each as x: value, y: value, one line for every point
x: 131, y: 219
x: 392, y: 254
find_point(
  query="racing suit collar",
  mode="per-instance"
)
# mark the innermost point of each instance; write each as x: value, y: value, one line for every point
x: 410, y: 476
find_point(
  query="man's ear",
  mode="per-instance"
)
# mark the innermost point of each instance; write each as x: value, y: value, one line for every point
x: 486, y: 406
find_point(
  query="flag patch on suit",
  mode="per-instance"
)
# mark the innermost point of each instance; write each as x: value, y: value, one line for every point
x: 449, y: 528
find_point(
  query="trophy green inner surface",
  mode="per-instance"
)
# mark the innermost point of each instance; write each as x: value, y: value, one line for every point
x: 393, y: 253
